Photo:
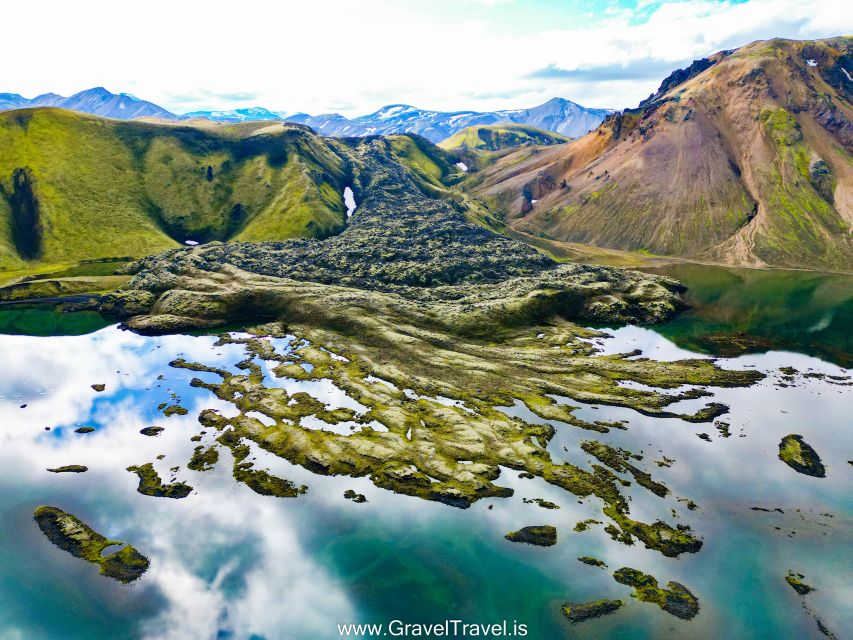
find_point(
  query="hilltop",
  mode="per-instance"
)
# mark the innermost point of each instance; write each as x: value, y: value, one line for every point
x: 75, y: 186
x: 499, y: 137
x: 742, y: 158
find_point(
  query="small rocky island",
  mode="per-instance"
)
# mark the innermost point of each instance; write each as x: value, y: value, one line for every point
x: 580, y: 611
x: 676, y: 599
x: 800, y: 456
x: 71, y: 534
x: 543, y: 536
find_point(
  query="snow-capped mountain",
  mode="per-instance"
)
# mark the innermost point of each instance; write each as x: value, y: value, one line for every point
x: 97, y: 101
x: 558, y: 114
x: 237, y: 115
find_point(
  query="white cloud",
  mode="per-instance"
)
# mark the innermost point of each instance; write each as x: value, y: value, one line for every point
x: 354, y: 57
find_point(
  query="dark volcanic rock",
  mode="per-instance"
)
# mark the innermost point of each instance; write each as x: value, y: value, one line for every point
x: 400, y: 240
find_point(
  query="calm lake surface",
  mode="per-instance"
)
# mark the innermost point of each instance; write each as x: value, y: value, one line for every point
x: 229, y: 563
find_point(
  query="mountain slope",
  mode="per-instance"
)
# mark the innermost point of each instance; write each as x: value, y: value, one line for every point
x: 74, y: 186
x: 558, y: 115
x: 744, y: 158
x: 498, y: 137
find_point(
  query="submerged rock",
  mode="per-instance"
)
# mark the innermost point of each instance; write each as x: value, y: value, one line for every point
x: 543, y: 536
x: 151, y: 431
x: 70, y: 468
x: 72, y: 535
x: 99, y: 387
x: 798, y: 455
x: 84, y: 430
x: 676, y: 599
x: 580, y: 611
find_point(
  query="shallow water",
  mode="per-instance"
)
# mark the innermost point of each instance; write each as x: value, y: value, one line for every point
x: 802, y: 311
x: 229, y: 563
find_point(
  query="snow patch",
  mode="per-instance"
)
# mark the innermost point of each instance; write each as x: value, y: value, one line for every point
x: 349, y: 201
x: 811, y: 63
x: 191, y: 243
x: 462, y: 166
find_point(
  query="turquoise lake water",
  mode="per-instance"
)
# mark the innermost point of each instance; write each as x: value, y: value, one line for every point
x: 229, y: 563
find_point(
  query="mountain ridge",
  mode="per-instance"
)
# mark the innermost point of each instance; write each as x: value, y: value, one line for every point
x: 744, y: 158
x: 557, y: 114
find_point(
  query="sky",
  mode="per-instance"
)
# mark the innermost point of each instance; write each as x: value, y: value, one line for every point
x: 354, y: 56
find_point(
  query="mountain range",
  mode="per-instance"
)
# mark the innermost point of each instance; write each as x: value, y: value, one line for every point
x: 743, y: 158
x: 97, y: 101
x: 558, y: 115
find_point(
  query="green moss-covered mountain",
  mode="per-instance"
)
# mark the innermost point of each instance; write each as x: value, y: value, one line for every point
x: 74, y: 186
x: 745, y: 157
x: 500, y: 136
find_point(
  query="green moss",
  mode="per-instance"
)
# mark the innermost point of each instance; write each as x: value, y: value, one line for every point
x: 151, y: 431
x: 593, y: 562
x: 99, y: 387
x: 260, y: 481
x: 358, y: 498
x: 543, y: 536
x: 617, y: 459
x: 173, y: 410
x: 798, y: 455
x: 70, y: 468
x: 203, y: 459
x: 797, y: 584
x: 545, y: 504
x: 782, y: 125
x: 676, y: 599
x: 150, y: 483
x: 580, y: 611
x: 584, y: 525
x: 72, y: 535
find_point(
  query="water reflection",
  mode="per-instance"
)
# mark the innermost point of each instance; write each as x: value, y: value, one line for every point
x: 226, y: 562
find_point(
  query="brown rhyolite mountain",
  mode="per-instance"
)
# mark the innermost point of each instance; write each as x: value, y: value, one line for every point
x: 742, y: 158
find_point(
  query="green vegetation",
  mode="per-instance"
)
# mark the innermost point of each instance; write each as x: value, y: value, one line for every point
x: 150, y: 483
x: 151, y: 431
x: 676, y: 599
x: 797, y: 584
x: 70, y: 468
x: 72, y: 535
x: 260, y: 481
x: 593, y: 562
x: 358, y: 498
x: 798, y: 455
x: 174, y: 410
x: 578, y: 612
x: 543, y: 536
x: 500, y: 136
x: 203, y: 459
x: 75, y: 187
